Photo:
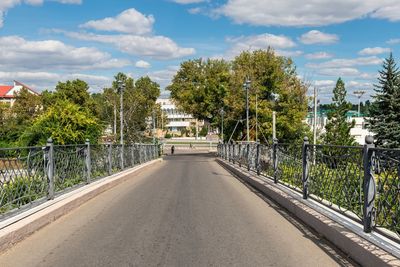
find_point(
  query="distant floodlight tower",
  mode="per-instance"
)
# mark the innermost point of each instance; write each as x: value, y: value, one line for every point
x: 359, y: 94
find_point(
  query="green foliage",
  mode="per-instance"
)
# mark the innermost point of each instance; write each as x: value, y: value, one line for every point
x: 204, y: 131
x: 139, y: 103
x: 202, y: 88
x: 337, y: 128
x: 20, y: 192
x: 65, y: 123
x: 384, y: 112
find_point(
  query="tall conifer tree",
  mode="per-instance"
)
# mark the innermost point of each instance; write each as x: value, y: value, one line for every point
x: 337, y: 128
x: 385, y: 109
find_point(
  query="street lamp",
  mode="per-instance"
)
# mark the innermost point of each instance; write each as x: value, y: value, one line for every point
x: 275, y: 97
x: 359, y: 94
x: 246, y: 86
x: 222, y: 112
x: 121, y: 88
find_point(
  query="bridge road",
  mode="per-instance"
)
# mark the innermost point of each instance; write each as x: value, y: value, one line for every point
x: 185, y: 211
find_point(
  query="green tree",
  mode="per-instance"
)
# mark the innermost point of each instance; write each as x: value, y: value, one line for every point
x: 200, y: 86
x: 337, y: 128
x: 384, y: 111
x: 139, y: 104
x: 65, y: 123
x: 26, y: 107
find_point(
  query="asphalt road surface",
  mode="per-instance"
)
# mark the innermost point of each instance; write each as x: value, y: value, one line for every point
x: 185, y: 211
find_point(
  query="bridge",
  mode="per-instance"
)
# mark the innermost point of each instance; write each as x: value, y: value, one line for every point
x: 187, y: 209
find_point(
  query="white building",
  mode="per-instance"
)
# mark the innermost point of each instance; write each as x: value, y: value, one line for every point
x: 176, y: 119
x: 8, y: 92
x: 359, y: 131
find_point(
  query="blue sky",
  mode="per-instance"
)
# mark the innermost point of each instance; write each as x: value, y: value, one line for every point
x: 44, y: 41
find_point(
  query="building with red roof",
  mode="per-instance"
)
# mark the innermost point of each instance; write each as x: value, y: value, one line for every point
x: 8, y: 92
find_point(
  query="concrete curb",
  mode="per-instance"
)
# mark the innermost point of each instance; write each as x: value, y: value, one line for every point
x: 25, y: 224
x: 358, y: 248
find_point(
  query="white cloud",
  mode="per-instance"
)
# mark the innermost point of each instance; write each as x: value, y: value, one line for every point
x: 158, y: 47
x: 345, y: 63
x: 339, y: 72
x: 163, y: 77
x: 184, y: 2
x: 289, y: 53
x: 308, y: 12
x: 16, y: 53
x: 47, y: 80
x: 195, y: 10
x: 393, y: 41
x: 8, y: 4
x: 318, y: 55
x: 262, y: 41
x: 317, y: 37
x: 142, y: 64
x: 357, y: 85
x: 369, y: 51
x: 129, y: 21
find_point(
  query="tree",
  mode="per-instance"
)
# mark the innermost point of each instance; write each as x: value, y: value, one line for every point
x: 200, y: 86
x: 384, y: 111
x: 337, y: 128
x: 65, y: 123
x: 139, y: 104
x: 26, y: 107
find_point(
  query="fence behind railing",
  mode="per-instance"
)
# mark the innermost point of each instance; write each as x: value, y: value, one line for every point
x: 31, y: 175
x: 360, y: 182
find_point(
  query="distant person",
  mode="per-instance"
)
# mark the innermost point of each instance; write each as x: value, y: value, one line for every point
x: 172, y: 150
x: 190, y: 145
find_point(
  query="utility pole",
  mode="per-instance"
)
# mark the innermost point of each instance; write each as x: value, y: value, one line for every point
x: 154, y: 128
x: 359, y: 94
x: 121, y: 87
x: 115, y: 118
x: 315, y: 116
x: 256, y: 117
x: 197, y: 129
x: 246, y: 86
x: 273, y: 125
x: 222, y: 112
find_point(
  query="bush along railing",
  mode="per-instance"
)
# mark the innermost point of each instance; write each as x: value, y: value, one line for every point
x: 31, y: 175
x: 360, y: 182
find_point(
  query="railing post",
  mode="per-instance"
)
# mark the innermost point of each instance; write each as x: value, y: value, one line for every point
x: 109, y: 158
x: 258, y: 159
x: 122, y: 156
x: 233, y: 153
x: 275, y: 159
x: 248, y: 156
x: 49, y: 163
x: 88, y: 161
x: 140, y: 153
x: 240, y: 155
x: 225, y: 152
x: 305, y: 167
x: 369, y: 185
x: 133, y: 154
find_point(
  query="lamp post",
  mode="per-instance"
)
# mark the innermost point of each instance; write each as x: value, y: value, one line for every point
x: 275, y: 97
x: 359, y: 94
x: 222, y: 112
x: 121, y: 87
x: 246, y: 86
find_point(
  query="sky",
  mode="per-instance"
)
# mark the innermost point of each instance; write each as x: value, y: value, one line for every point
x: 46, y: 41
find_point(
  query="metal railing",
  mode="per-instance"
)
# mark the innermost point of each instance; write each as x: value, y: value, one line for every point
x: 32, y: 175
x: 360, y: 182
